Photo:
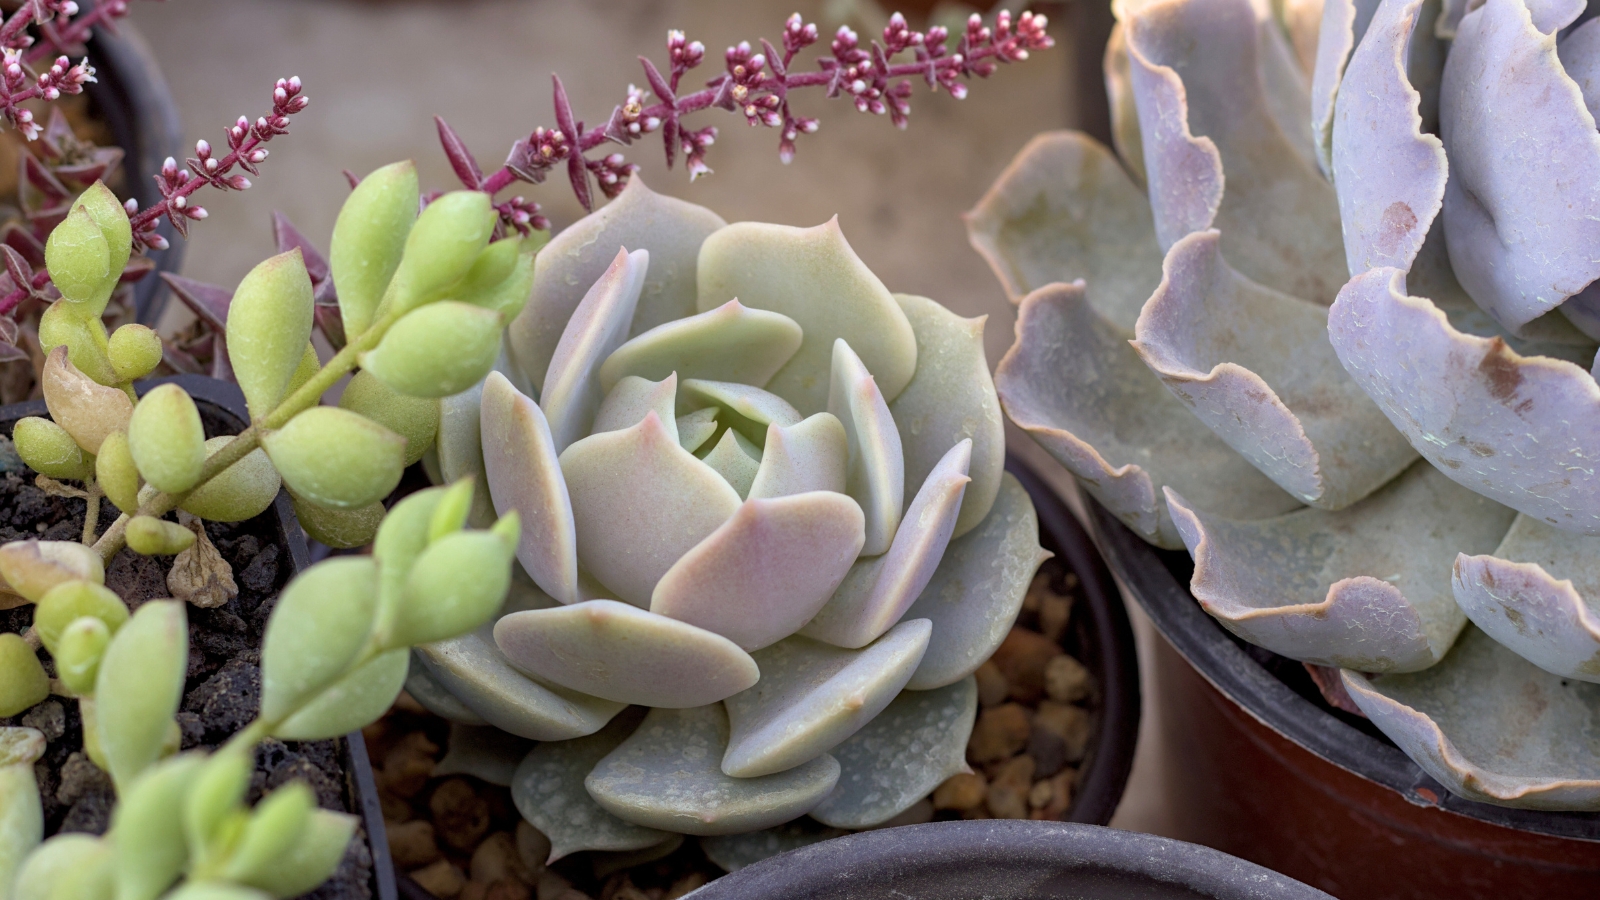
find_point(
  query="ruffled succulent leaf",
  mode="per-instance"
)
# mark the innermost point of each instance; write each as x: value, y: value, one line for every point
x: 321, y: 622
x: 116, y: 473
x: 735, y: 851
x: 238, y: 493
x: 810, y: 455
x: 667, y: 775
x: 1492, y: 727
x: 916, y: 743
x: 976, y: 592
x: 32, y: 568
x: 1117, y: 428
x: 441, y: 349
x: 570, y: 392
x: 443, y: 243
x: 633, y: 396
x: 875, y: 472
x: 813, y: 696
x: 1522, y: 204
x: 312, y: 859
x: 951, y: 398
x: 150, y: 536
x: 1125, y: 136
x: 877, y: 591
x: 69, y: 601
x: 1507, y: 426
x: 134, y: 351
x: 523, y: 474
x: 1064, y: 210
x: 671, y: 230
x: 547, y: 789
x: 167, y: 439
x: 766, y: 571
x: 1579, y: 53
x: 414, y: 418
x: 341, y: 529
x: 146, y: 832
x: 352, y: 702
x: 484, y: 752
x: 639, y: 502
x: 1537, y: 595
x: 369, y: 237
x: 814, y: 277
x: 1362, y: 588
x: 70, y: 865
x: 25, y: 683
x: 621, y: 653
x: 1344, y: 24
x: 1203, y: 110
x: 78, y: 653
x: 730, y: 343
x: 140, y: 686
x: 1255, y: 366
x: 337, y: 458
x: 48, y: 449
x: 87, y: 409
x: 269, y: 323
x: 63, y: 325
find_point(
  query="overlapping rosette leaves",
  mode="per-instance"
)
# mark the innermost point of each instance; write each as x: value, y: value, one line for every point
x: 766, y: 509
x: 1326, y: 247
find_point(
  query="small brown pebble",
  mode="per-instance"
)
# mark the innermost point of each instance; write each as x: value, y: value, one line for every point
x: 407, y: 703
x: 1022, y: 658
x: 440, y: 879
x: 918, y: 813
x: 1070, y: 723
x: 992, y: 685
x: 509, y: 889
x: 621, y: 887
x: 533, y: 848
x: 690, y: 882
x: 1054, y: 611
x: 1039, y: 795
x: 395, y: 809
x: 1038, y: 589
x: 473, y: 890
x: 1067, y: 681
x: 1061, y: 785
x: 1015, y: 773
x: 496, y: 859
x: 1048, y: 750
x: 551, y: 886
x: 1008, y: 790
x: 460, y: 816
x: 1000, y: 733
x: 412, y: 844
x: 963, y: 790
x: 407, y: 765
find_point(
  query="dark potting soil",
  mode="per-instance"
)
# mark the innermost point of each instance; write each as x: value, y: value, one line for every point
x: 223, y: 689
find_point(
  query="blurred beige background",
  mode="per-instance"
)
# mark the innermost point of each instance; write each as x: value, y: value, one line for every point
x: 377, y: 72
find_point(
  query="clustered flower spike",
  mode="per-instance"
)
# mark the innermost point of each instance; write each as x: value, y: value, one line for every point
x: 770, y: 507
x: 1326, y: 319
x: 755, y: 83
x: 63, y: 29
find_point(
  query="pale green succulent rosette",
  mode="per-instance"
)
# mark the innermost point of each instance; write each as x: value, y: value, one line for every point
x: 765, y: 500
x: 1185, y: 348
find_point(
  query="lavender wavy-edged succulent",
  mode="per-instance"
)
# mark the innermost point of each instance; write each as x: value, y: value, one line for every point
x: 1326, y: 319
x: 766, y: 510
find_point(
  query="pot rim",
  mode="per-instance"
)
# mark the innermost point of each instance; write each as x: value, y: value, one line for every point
x: 1212, y: 652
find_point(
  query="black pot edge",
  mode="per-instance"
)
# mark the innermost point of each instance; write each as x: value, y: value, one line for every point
x: 1042, y: 858
x: 1203, y: 643
x: 132, y: 94
x: 1118, y: 673
x: 358, y: 767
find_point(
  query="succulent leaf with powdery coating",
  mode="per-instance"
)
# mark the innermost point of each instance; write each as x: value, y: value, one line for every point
x: 443, y: 243
x: 269, y: 323
x: 134, y: 351
x: 87, y: 409
x: 632, y: 397
x: 368, y: 239
x: 79, y: 259
x: 25, y: 683
x: 414, y: 418
x: 334, y: 457
x: 242, y: 491
x: 810, y: 455
x: 524, y: 474
x: 140, y: 687
x: 875, y: 474
x: 48, y: 449
x: 731, y: 343
x: 167, y: 440
x: 570, y: 393
x: 741, y: 407
x: 437, y: 350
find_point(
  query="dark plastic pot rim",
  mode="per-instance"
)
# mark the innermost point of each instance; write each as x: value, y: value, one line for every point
x: 1203, y: 642
x: 1005, y: 859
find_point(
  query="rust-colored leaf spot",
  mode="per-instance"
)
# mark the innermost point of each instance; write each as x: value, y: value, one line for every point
x: 1500, y: 372
x: 1397, y: 222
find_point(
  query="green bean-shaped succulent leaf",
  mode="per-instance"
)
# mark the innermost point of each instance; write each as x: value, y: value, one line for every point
x: 269, y: 323
x: 134, y: 351
x: 167, y: 439
x: 341, y: 529
x: 455, y: 505
x: 441, y: 248
x: 368, y: 239
x: 69, y: 325
x: 79, y: 258
x: 414, y: 418
x: 150, y: 536
x: 117, y: 473
x: 63, y: 868
x: 147, y: 828
x: 275, y: 826
x: 312, y: 859
x: 319, y: 625
x: 511, y: 294
x: 404, y: 534
x: 108, y: 213
x: 242, y: 491
x: 215, y: 799
x: 493, y: 266
x: 354, y: 701
x: 23, y: 681
x: 438, y: 350
x: 71, y: 600
x: 140, y: 686
x: 21, y: 812
x: 336, y: 457
x: 79, y: 651
x: 32, y: 568
x: 217, y: 890
x: 48, y: 449
x: 457, y: 583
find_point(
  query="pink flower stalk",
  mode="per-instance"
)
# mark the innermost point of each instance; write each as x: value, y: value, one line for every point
x: 756, y: 84
x: 61, y: 26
